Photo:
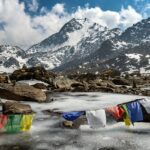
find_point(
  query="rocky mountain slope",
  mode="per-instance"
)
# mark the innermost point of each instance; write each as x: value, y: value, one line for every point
x: 11, y: 58
x: 85, y: 46
x: 76, y: 39
x: 128, y: 52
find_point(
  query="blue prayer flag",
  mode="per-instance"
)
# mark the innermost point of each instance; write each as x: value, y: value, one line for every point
x: 135, y: 111
x: 71, y: 116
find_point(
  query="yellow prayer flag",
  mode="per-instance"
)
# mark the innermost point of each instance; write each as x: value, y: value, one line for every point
x: 26, y: 122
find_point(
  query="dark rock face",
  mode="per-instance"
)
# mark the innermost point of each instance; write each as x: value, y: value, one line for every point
x: 21, y: 53
x: 11, y: 61
x: 33, y: 60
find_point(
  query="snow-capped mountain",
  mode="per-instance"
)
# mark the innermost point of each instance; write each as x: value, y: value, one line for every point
x: 85, y: 46
x: 77, y: 39
x: 138, y: 33
x: 129, y: 52
x: 11, y: 58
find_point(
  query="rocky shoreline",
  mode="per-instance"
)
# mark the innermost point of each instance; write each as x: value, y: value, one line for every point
x: 108, y: 81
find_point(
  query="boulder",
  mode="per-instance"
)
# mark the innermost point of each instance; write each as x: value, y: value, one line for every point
x: 110, y: 73
x: 40, y: 86
x: 4, y: 78
x: 11, y: 107
x: 63, y: 83
x: 75, y: 124
x: 106, y: 89
x: 79, y: 87
x: 67, y: 124
x: 120, y: 81
x: 38, y: 73
x: 105, y: 83
x: 21, y: 92
x: 83, y: 77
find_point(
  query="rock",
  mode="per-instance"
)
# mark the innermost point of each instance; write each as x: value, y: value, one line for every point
x: 83, y: 77
x: 102, y: 85
x: 38, y: 73
x: 10, y: 107
x: 63, y: 83
x: 105, y: 83
x: 52, y: 113
x: 93, y: 88
x: 4, y: 78
x: 110, y: 73
x: 120, y: 81
x: 40, y: 86
x: 79, y: 87
x: 67, y: 124
x: 80, y: 121
x: 21, y: 92
x: 106, y: 89
x: 146, y: 92
x: 76, y: 123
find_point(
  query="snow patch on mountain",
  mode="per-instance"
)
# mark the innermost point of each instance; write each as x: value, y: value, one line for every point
x: 134, y: 56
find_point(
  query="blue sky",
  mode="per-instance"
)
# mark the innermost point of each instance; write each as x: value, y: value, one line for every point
x: 27, y: 22
x: 114, y: 5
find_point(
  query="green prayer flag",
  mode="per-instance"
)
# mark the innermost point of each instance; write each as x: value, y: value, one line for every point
x: 13, y: 123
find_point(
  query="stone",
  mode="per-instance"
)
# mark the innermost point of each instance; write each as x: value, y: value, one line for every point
x: 120, y: 81
x: 40, y: 86
x: 62, y: 82
x: 110, y: 73
x: 21, y: 92
x: 79, y: 87
x: 11, y: 107
x: 4, y: 78
x: 38, y: 73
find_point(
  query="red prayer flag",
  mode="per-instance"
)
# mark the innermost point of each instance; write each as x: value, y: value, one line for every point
x: 3, y: 120
x: 116, y: 111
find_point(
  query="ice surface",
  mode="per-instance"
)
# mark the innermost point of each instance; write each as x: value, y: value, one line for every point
x: 32, y: 82
x: 47, y: 133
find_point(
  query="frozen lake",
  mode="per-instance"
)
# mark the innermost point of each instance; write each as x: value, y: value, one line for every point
x: 47, y: 134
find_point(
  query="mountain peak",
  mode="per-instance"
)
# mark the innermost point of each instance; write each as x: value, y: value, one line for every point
x: 82, y: 41
x: 71, y: 26
x: 138, y: 33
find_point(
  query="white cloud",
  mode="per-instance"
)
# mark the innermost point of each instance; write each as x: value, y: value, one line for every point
x: 23, y: 30
x: 33, y: 5
x: 58, y: 9
x: 129, y: 16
